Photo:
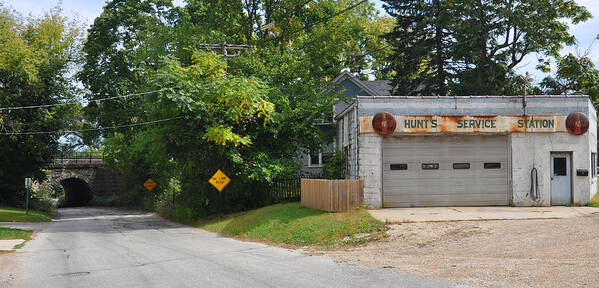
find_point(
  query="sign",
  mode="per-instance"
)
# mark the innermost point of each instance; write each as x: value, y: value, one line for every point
x: 471, y: 124
x: 27, y: 182
x: 174, y: 183
x: 150, y: 184
x: 577, y: 123
x: 219, y: 180
x: 383, y: 123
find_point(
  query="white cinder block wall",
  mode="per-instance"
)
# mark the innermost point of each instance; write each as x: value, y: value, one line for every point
x: 526, y: 149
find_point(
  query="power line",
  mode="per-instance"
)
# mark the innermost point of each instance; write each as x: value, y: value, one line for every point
x: 90, y: 129
x: 75, y: 103
x: 319, y: 21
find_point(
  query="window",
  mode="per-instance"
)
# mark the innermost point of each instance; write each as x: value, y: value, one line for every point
x: 399, y: 166
x: 430, y: 166
x: 560, y: 167
x: 493, y: 165
x: 317, y: 160
x: 594, y: 164
x: 461, y: 165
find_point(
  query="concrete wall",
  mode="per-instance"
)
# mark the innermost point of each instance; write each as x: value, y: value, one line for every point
x: 370, y: 169
x: 592, y: 142
x: 526, y: 149
x: 102, y: 182
x: 530, y: 150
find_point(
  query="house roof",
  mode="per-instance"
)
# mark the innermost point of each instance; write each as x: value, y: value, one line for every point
x: 372, y: 88
x: 381, y: 87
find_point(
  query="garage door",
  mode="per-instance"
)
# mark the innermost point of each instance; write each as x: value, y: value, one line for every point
x: 421, y: 171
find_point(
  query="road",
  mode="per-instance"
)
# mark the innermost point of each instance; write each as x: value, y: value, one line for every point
x: 90, y: 247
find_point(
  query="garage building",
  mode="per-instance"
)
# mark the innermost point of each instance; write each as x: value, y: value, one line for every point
x: 425, y: 151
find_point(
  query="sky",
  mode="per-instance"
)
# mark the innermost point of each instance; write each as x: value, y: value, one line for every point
x: 87, y: 10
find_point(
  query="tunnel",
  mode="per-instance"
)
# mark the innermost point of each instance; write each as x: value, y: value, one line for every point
x: 77, y: 192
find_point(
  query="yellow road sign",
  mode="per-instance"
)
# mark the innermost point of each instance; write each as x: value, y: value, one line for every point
x: 219, y: 180
x: 150, y: 184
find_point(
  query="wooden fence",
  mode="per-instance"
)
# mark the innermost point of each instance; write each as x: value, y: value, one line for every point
x: 332, y: 195
x: 284, y: 191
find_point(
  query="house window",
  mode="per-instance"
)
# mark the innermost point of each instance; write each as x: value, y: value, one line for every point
x: 594, y: 164
x: 317, y: 160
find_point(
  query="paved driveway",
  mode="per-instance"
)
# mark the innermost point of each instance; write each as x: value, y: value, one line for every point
x: 89, y: 247
x: 441, y: 214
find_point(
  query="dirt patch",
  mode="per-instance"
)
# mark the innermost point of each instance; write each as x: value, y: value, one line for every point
x: 507, y: 253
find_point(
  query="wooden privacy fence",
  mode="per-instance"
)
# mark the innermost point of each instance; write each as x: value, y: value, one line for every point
x: 332, y: 195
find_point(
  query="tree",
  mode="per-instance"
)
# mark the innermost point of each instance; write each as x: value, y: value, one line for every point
x: 421, y: 42
x: 486, y: 40
x: 36, y: 58
x: 574, y: 75
x: 126, y: 39
x: 280, y: 79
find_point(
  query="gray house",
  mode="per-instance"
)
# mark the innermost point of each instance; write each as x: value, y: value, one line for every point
x: 350, y: 86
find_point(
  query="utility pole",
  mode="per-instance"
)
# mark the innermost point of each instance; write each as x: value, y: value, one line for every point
x: 224, y: 48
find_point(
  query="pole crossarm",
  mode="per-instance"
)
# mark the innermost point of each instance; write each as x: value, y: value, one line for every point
x: 224, y: 47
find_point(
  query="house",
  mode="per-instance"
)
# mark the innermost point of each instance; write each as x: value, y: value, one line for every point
x: 349, y: 86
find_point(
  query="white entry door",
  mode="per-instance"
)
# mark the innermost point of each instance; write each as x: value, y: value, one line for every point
x: 561, y: 176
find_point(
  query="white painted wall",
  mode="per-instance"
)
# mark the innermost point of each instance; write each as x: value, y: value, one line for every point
x: 370, y: 169
x: 526, y: 149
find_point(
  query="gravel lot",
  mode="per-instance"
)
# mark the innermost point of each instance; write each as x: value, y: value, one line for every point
x: 507, y: 253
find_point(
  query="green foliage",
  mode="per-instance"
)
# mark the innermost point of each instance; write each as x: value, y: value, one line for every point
x: 37, y: 57
x: 9, y: 214
x: 335, y: 167
x: 248, y: 115
x: 471, y: 47
x: 574, y: 75
x: 595, y: 200
x: 42, y: 199
x: 292, y: 224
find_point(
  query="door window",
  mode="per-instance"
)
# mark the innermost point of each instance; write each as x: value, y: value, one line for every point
x: 560, y: 166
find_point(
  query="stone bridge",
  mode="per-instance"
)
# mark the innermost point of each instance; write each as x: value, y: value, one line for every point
x: 83, y: 179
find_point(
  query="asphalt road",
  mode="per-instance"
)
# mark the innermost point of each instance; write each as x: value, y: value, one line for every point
x: 88, y: 247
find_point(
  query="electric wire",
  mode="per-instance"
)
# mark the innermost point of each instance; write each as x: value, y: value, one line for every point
x: 318, y: 22
x: 90, y: 129
x: 75, y: 103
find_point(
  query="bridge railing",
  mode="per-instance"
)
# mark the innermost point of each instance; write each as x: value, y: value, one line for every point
x: 77, y: 157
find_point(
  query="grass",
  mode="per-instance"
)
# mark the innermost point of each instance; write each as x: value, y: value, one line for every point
x: 8, y: 214
x: 10, y: 234
x: 595, y: 201
x: 292, y: 224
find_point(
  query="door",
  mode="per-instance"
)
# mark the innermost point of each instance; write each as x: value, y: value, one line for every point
x: 421, y: 171
x: 561, y: 175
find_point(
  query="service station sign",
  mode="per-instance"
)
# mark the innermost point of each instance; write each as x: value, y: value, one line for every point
x: 468, y: 124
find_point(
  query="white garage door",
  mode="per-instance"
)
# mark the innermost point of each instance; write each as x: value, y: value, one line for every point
x: 421, y: 171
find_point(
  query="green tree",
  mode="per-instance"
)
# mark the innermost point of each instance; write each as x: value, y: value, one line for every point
x: 129, y: 37
x: 485, y: 40
x: 574, y: 75
x: 422, y: 41
x: 37, y: 55
x: 279, y: 84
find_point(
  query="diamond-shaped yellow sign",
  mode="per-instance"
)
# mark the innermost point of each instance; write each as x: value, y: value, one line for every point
x: 219, y: 180
x: 150, y: 184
